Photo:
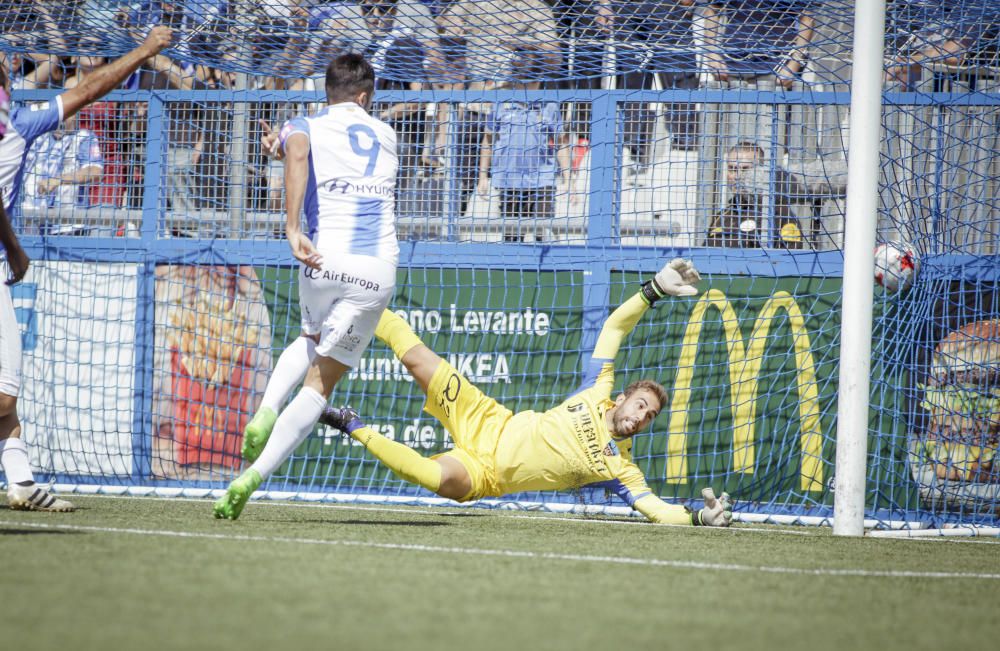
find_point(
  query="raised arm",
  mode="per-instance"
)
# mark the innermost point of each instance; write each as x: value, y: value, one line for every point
x: 716, y: 513
x: 677, y: 278
x: 793, y: 64
x: 631, y: 486
x: 101, y: 81
x: 714, y: 26
x: 174, y: 74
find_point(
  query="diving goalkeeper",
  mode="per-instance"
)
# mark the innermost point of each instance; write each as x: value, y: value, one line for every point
x: 586, y: 440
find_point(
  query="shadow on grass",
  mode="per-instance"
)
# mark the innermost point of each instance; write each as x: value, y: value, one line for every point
x: 31, y: 532
x: 4, y: 507
x: 375, y: 523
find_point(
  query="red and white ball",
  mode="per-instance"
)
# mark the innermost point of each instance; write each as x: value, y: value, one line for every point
x: 896, y: 266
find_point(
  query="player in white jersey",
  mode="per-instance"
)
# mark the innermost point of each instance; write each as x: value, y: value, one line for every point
x: 21, y: 127
x: 340, y: 172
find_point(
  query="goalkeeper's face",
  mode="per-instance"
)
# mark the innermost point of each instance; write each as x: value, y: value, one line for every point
x: 634, y: 413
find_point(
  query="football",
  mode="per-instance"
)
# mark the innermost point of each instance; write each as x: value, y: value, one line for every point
x: 896, y: 266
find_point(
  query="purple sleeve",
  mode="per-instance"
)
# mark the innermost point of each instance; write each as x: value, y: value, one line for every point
x: 594, y: 368
x: 295, y: 125
x: 32, y: 121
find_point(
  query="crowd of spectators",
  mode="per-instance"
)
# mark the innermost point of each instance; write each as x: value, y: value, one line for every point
x: 527, y: 151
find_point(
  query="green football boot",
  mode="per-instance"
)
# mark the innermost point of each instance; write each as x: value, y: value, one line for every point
x: 230, y: 505
x: 257, y: 432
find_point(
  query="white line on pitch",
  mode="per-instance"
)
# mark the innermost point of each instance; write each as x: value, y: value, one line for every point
x: 495, y: 512
x: 515, y: 553
x: 974, y: 541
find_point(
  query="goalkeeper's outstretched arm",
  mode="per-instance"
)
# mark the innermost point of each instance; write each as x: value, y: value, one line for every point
x: 677, y: 278
x: 717, y: 512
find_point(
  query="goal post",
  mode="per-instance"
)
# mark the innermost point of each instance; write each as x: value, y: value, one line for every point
x: 859, y: 268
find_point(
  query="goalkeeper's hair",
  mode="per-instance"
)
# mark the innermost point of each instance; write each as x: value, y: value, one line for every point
x: 655, y: 387
x: 348, y: 75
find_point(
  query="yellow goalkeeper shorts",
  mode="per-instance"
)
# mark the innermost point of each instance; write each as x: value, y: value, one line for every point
x: 474, y: 421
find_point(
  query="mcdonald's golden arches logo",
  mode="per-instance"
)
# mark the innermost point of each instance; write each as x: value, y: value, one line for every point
x: 744, y: 368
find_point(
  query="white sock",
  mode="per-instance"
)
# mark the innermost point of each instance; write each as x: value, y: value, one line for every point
x: 14, y: 459
x: 291, y: 428
x: 288, y: 372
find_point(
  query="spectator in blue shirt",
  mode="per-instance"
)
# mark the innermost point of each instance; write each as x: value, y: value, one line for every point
x: 524, y: 150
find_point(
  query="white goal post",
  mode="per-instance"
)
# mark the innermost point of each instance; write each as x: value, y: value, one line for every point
x: 859, y: 268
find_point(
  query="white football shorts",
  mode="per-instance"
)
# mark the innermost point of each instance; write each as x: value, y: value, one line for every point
x: 10, y: 345
x: 344, y: 301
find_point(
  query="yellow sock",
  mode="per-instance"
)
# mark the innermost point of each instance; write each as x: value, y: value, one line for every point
x: 402, y: 460
x: 396, y: 333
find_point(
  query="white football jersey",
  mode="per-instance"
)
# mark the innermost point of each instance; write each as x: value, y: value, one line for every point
x: 350, y: 201
x: 26, y: 124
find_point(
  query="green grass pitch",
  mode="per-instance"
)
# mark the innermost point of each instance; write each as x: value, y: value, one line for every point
x: 134, y: 573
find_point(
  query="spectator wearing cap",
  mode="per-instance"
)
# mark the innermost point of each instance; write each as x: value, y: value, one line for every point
x: 389, y: 21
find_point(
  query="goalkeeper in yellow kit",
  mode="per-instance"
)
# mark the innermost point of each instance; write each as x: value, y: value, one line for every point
x: 585, y: 440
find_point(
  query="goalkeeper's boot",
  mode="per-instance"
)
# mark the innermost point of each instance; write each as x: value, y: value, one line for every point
x: 230, y: 505
x: 35, y: 498
x: 257, y: 431
x: 345, y: 419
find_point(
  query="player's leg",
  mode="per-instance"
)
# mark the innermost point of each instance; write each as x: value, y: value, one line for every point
x: 443, y: 475
x: 419, y: 360
x: 22, y: 492
x: 288, y: 373
x: 457, y: 403
x: 290, y: 370
x: 344, y: 316
x: 294, y: 424
x: 473, y: 419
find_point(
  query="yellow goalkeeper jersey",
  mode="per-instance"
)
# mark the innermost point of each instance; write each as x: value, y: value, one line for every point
x: 569, y: 446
